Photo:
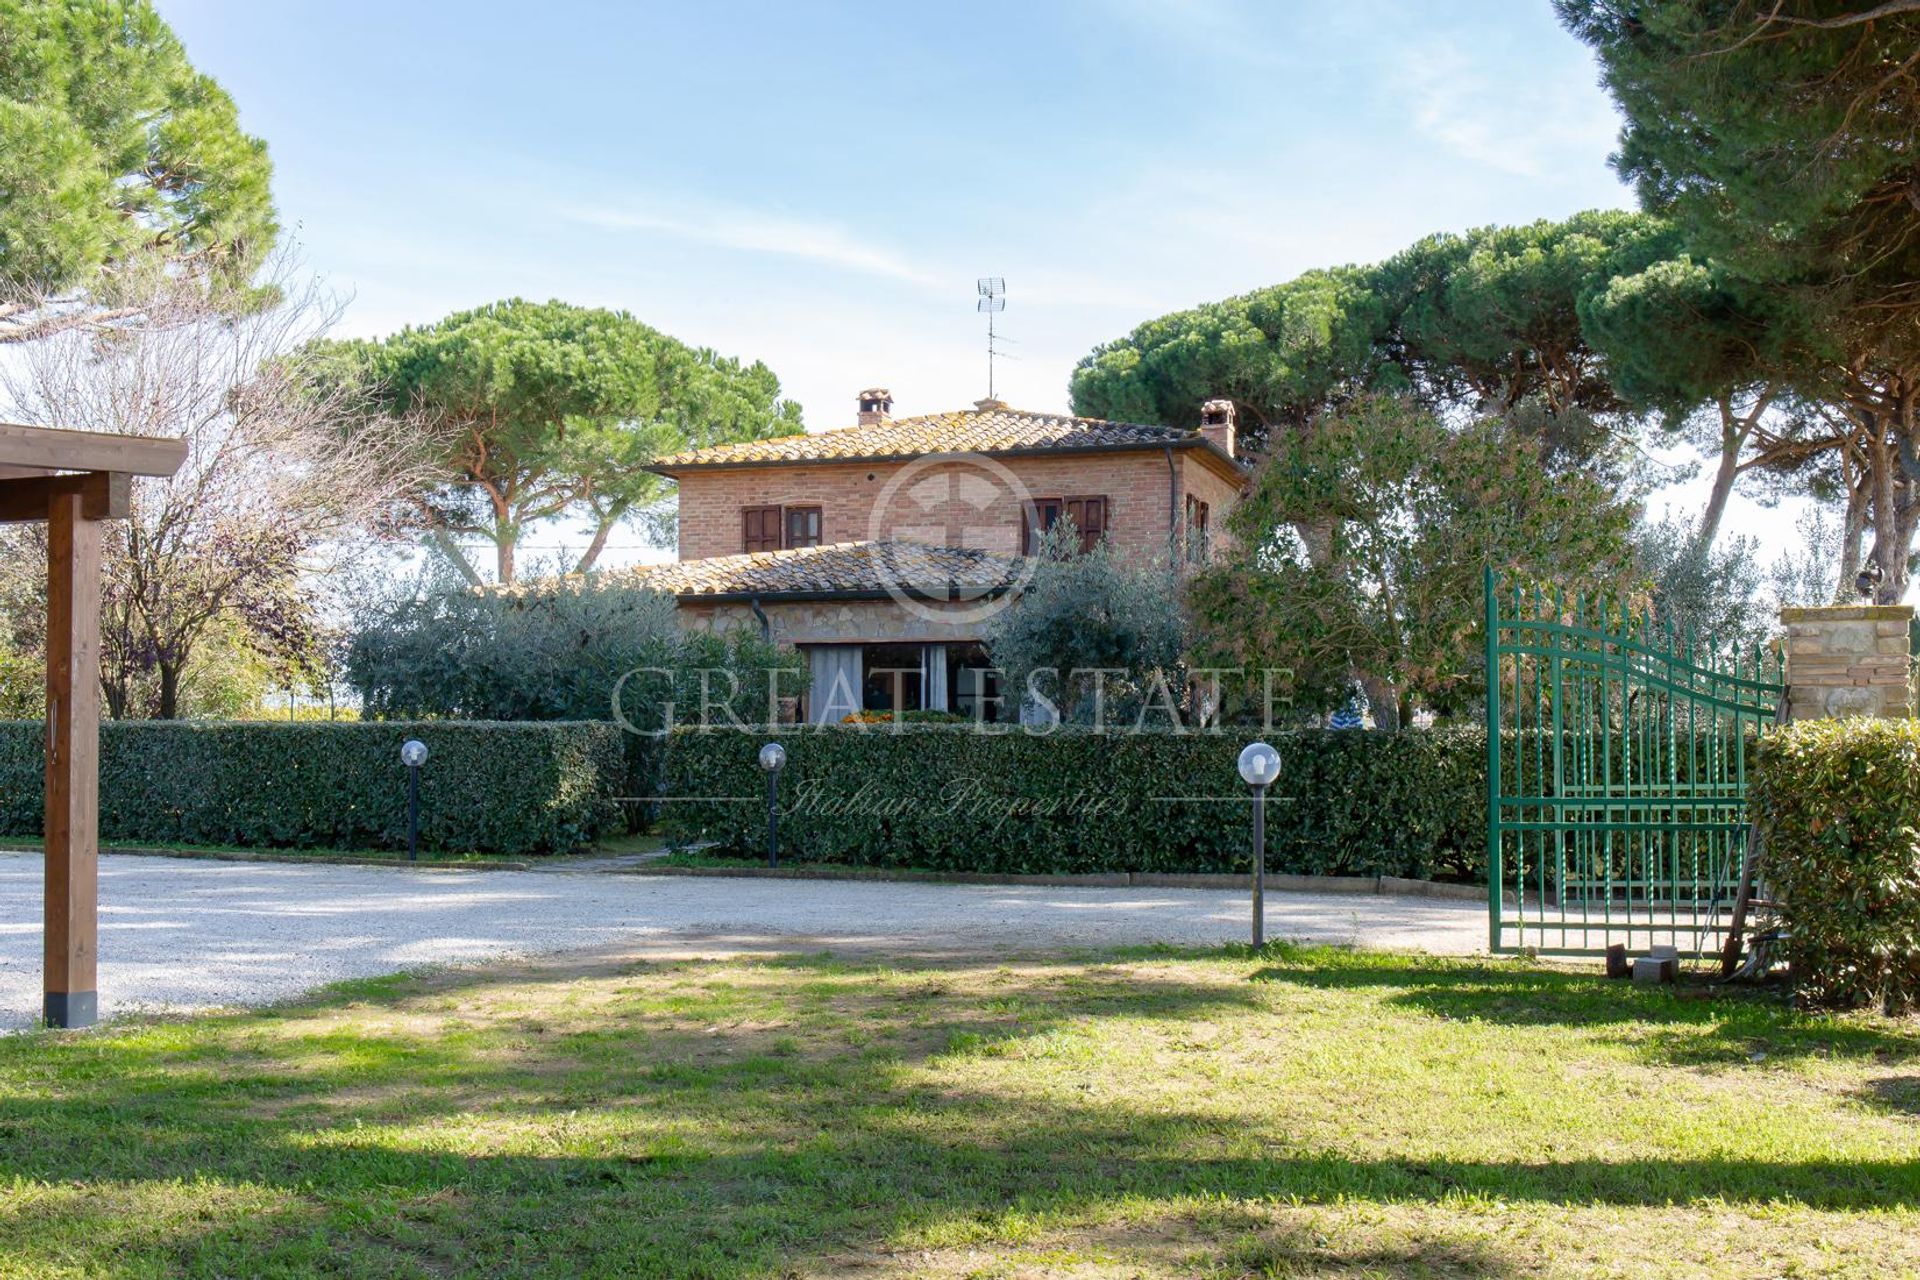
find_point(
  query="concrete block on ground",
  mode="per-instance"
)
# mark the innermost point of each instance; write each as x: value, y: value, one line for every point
x: 1649, y: 971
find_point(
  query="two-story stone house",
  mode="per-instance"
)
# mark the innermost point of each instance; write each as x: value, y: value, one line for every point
x: 881, y: 549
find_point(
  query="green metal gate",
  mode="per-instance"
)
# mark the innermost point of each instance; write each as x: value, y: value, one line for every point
x: 1617, y: 756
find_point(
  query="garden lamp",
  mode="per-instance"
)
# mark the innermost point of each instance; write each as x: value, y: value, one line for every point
x: 1259, y: 769
x: 773, y: 757
x: 413, y: 754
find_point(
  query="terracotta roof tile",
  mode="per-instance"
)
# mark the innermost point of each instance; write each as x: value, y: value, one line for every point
x: 877, y: 567
x: 989, y: 429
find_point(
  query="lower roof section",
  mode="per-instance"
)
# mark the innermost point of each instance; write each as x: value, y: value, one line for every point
x: 838, y: 571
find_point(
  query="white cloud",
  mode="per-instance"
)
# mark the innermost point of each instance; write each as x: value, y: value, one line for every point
x: 1526, y: 125
x: 763, y: 233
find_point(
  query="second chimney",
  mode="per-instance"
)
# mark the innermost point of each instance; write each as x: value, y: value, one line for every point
x: 1216, y: 424
x: 876, y: 406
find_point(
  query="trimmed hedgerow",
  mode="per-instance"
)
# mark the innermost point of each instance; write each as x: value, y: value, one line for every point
x: 1838, y: 802
x: 954, y: 799
x: 487, y: 787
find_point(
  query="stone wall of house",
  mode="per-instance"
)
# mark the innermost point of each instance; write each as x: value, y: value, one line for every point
x: 956, y: 503
x: 846, y: 621
x: 1849, y: 661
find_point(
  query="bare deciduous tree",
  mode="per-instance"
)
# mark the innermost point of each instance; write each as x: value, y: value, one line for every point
x: 272, y: 489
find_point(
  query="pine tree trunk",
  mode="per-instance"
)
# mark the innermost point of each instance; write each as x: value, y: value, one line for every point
x: 1853, y: 537
x: 595, y: 547
x: 1733, y: 436
x: 1891, y: 533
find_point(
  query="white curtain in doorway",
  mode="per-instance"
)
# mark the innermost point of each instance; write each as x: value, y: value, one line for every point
x: 933, y: 677
x: 837, y: 672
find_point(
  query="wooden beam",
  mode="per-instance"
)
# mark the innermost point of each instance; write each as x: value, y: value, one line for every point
x: 73, y: 763
x: 50, y: 450
x: 104, y: 495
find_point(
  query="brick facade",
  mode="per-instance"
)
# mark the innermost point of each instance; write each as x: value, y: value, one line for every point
x: 956, y: 503
x: 1217, y: 491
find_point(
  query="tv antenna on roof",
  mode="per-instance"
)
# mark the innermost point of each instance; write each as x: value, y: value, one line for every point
x: 993, y: 300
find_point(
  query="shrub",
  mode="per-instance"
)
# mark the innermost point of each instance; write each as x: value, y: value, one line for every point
x: 1094, y: 610
x: 565, y: 650
x: 950, y: 798
x: 496, y: 788
x: 555, y: 651
x: 1838, y: 802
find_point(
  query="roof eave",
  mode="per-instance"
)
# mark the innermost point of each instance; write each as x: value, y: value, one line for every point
x: 674, y: 470
x: 1232, y: 467
x: 952, y: 595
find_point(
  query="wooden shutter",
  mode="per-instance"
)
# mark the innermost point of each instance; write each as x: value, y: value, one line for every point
x: 1089, y: 516
x: 760, y: 528
x: 1196, y: 529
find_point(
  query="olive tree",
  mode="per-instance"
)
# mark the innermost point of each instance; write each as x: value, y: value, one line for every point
x: 1097, y: 633
x: 1414, y: 511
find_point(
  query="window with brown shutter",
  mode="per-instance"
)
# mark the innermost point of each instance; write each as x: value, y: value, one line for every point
x: 803, y: 526
x: 1038, y: 518
x: 760, y: 528
x: 1089, y: 516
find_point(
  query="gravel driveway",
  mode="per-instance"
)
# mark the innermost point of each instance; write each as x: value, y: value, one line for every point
x: 183, y: 934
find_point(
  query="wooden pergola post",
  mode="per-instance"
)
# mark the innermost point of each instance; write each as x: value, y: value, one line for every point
x: 73, y: 764
x: 73, y: 480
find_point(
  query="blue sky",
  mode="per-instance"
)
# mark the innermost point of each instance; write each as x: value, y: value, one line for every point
x: 818, y: 185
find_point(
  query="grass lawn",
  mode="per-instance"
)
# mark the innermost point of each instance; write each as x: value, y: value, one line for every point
x: 1298, y: 1112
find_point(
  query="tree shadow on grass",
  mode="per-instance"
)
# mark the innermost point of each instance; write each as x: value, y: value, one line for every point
x: 687, y: 1129
x: 1691, y: 1025
x: 1898, y: 1094
x: 738, y: 1211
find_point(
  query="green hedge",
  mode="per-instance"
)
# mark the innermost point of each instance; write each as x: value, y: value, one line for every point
x: 949, y: 798
x: 488, y: 787
x: 1838, y: 802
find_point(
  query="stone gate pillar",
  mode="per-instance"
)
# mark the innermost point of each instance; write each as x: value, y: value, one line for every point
x: 1849, y: 660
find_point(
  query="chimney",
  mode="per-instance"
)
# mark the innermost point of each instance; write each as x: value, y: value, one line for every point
x: 1216, y: 424
x: 876, y: 406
